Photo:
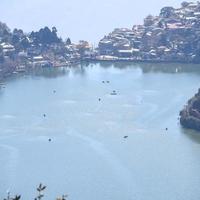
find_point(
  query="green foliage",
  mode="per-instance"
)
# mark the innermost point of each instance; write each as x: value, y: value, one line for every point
x: 149, y: 20
x: 45, y: 36
x: 68, y: 41
x: 17, y: 35
x: 184, y: 4
x: 167, y: 12
x: 16, y: 197
x: 1, y: 55
x: 4, y: 30
x: 40, y: 189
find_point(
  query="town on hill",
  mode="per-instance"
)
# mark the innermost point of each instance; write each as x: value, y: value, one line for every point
x: 172, y: 36
x: 20, y: 51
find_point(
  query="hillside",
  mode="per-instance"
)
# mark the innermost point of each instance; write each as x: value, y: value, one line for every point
x: 190, y: 115
x: 172, y: 36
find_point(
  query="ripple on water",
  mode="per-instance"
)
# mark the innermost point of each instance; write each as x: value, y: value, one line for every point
x: 128, y: 105
x: 68, y: 102
x: 12, y: 157
x: 7, y: 117
x: 121, y: 171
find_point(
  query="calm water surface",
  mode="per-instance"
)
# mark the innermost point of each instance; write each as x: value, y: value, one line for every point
x: 88, y: 157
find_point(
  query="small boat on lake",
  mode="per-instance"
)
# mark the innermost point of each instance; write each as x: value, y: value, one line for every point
x: 113, y: 92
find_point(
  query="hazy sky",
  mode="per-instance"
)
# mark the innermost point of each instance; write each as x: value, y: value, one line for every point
x: 79, y: 19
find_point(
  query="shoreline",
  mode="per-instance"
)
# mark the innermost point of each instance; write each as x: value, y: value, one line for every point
x: 126, y: 60
x: 92, y: 61
x: 190, y: 115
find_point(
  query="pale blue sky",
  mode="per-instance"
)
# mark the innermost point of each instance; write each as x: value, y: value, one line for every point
x: 79, y: 19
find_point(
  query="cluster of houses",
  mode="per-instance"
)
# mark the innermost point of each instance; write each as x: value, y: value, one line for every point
x: 14, y: 59
x: 174, y: 35
x: 59, y: 54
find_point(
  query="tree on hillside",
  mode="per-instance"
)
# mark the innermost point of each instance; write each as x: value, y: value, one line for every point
x: 25, y: 43
x: 1, y: 55
x: 149, y: 20
x: 68, y: 41
x: 184, y: 4
x: 19, y: 39
x: 167, y: 12
x: 16, y: 36
x: 45, y: 36
x: 4, y: 30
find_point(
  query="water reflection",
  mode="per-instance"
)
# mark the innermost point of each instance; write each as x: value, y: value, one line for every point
x: 88, y: 145
x: 58, y: 72
x: 79, y: 70
x: 82, y: 69
x: 49, y: 72
x: 191, y: 134
x: 2, y: 88
x: 155, y: 67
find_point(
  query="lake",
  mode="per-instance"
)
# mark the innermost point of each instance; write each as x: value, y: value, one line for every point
x: 88, y: 157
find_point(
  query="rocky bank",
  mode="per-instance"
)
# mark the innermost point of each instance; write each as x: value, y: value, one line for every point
x: 190, y: 115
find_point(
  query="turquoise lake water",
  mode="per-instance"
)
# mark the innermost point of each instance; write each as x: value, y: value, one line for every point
x: 88, y: 157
